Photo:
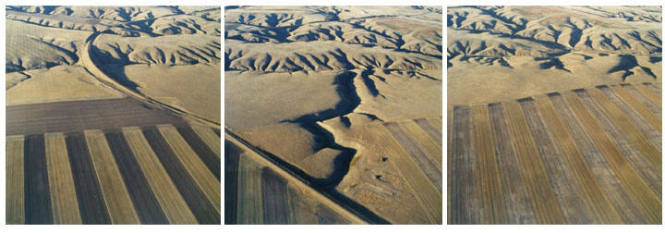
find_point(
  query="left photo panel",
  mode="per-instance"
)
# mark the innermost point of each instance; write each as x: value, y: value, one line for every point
x: 113, y: 115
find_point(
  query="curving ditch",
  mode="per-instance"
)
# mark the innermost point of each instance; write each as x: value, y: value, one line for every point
x: 323, y: 138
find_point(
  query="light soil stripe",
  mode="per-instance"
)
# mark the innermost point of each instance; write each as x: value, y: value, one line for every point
x: 250, y: 202
x: 601, y: 209
x: 120, y: 206
x: 174, y: 206
x: 430, y: 196
x: 209, y: 137
x: 15, y: 197
x: 488, y: 172
x: 537, y: 183
x: 416, y: 154
x: 573, y: 208
x: 637, y: 189
x: 464, y: 201
x: 649, y: 116
x: 648, y: 161
x: 650, y: 93
x: 642, y: 98
x: 651, y: 133
x: 431, y: 148
x: 202, y: 175
x: 61, y: 182
x: 517, y: 203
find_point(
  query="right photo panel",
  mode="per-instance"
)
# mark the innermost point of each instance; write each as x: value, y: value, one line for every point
x: 554, y: 114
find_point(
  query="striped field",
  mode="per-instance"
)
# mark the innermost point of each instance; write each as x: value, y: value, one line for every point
x: 163, y: 174
x: 587, y: 156
x: 395, y: 179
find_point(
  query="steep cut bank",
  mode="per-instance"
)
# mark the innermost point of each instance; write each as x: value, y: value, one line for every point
x: 349, y: 100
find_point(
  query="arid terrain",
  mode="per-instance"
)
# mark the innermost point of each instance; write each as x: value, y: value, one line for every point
x: 333, y: 115
x: 554, y: 115
x: 113, y: 115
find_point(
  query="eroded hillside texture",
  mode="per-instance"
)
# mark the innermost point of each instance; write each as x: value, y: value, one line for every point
x: 513, y: 52
x: 347, y: 100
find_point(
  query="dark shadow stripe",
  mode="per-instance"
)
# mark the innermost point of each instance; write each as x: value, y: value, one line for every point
x: 231, y: 158
x: 209, y: 158
x: 146, y: 205
x: 460, y: 199
x: 275, y: 203
x: 217, y: 132
x: 37, y: 197
x: 90, y: 199
x: 200, y: 206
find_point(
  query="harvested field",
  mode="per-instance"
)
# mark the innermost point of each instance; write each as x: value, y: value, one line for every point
x: 61, y: 181
x: 587, y: 156
x: 117, y: 175
x: 275, y: 203
x: 413, y: 168
x: 413, y: 176
x: 431, y: 170
x: 204, y: 178
x: 258, y: 192
x: 146, y: 204
x: 75, y: 116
